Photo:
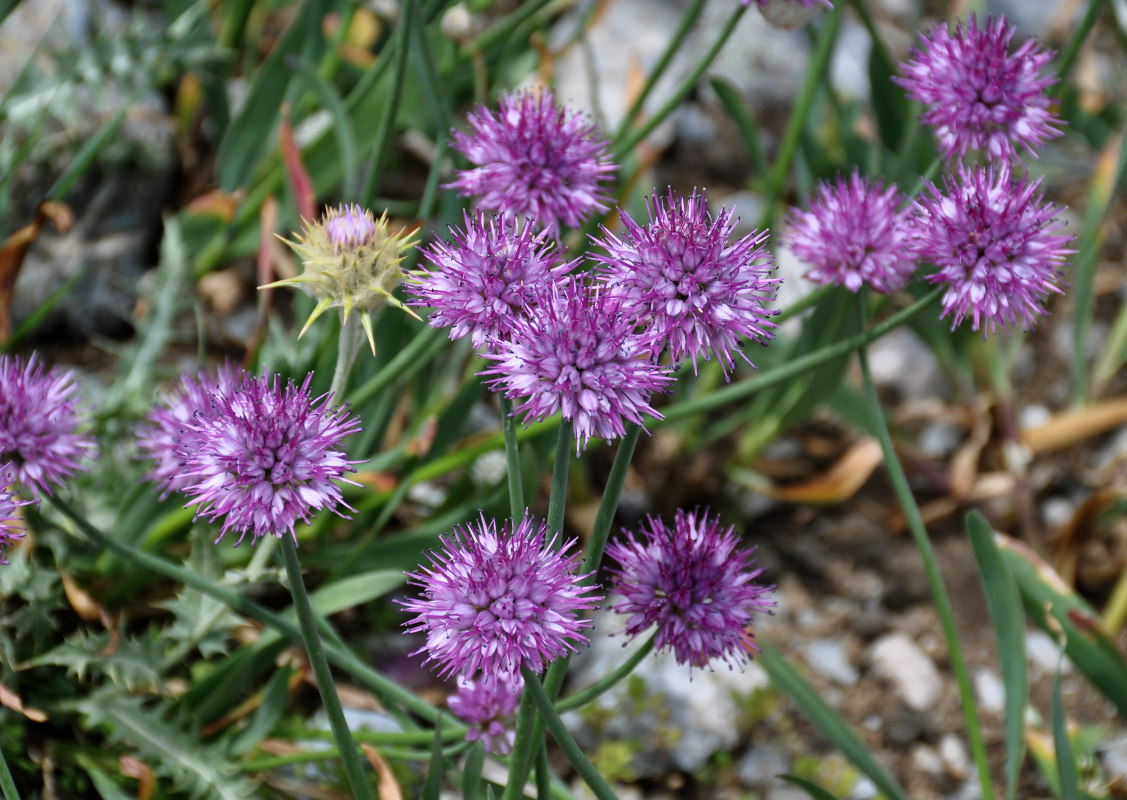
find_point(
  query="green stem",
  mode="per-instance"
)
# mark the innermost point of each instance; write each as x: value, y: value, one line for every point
x: 1115, y: 612
x: 674, y: 46
x: 625, y: 145
x: 931, y: 567
x: 585, y: 696
x: 563, y: 738
x: 349, y: 342
x: 384, y: 688
x: 557, y: 500
x: 523, y: 742
x: 800, y: 114
x: 1072, y: 49
x: 7, y: 782
x: 512, y: 459
x: 418, y: 352
x: 543, y: 773
x: 387, y: 120
x: 361, y: 788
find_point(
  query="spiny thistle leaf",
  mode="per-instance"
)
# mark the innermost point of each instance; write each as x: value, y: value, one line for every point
x: 127, y: 662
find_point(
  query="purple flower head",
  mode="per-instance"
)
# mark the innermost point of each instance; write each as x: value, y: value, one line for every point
x: 158, y: 441
x: 39, y: 419
x: 996, y: 245
x: 693, y: 583
x: 10, y: 532
x: 488, y: 279
x: 980, y: 97
x: 534, y: 159
x: 579, y: 355
x: 855, y: 234
x: 496, y: 602
x: 264, y: 456
x: 489, y: 704
x: 678, y: 276
x: 350, y: 227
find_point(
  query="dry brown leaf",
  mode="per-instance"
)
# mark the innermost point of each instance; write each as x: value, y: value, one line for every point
x: 840, y: 482
x: 962, y: 472
x: 14, y: 249
x: 388, y: 786
x: 137, y: 769
x: 1074, y: 425
x: 11, y: 700
x: 300, y: 183
x: 217, y: 203
x: 83, y: 604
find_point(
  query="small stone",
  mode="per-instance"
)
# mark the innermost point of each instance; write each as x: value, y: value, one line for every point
x: 954, y: 756
x: 989, y: 689
x: 1113, y: 756
x: 830, y: 659
x: 1057, y: 511
x: 900, y: 661
x: 939, y: 438
x: 926, y: 760
x: 863, y: 789
x: 1044, y: 655
x: 1032, y: 415
x: 760, y: 765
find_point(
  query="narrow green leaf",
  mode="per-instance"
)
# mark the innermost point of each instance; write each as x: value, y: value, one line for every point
x: 356, y: 590
x: 103, y: 783
x: 331, y: 101
x: 888, y: 103
x: 828, y: 721
x: 814, y: 790
x: 737, y: 109
x: 89, y: 151
x: 1066, y: 759
x: 267, y: 714
x: 471, y: 776
x: 1087, y: 644
x: 1004, y: 600
x: 432, y: 789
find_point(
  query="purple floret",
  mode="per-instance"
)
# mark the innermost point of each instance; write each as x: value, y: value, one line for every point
x: 264, y: 456
x: 488, y: 279
x: 579, y: 355
x: 10, y: 532
x: 693, y: 583
x: 39, y: 420
x: 681, y: 280
x: 978, y: 96
x: 489, y: 704
x: 855, y: 234
x: 495, y: 603
x: 534, y: 159
x: 997, y: 247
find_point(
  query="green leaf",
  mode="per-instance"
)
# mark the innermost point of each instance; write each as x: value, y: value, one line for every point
x: 737, y: 109
x: 125, y: 661
x: 814, y: 790
x: 266, y: 716
x: 200, y: 769
x: 356, y: 590
x: 1009, y: 628
x: 471, y: 777
x: 828, y: 721
x: 1087, y: 644
x: 342, y: 126
x: 103, y: 783
x: 889, y: 104
x: 432, y: 789
x: 1066, y: 759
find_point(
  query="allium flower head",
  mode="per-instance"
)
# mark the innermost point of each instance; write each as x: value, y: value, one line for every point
x: 10, y: 532
x: 489, y: 704
x: 158, y: 440
x: 264, y: 456
x: 996, y: 245
x: 351, y: 262
x: 496, y: 602
x: 855, y: 234
x: 579, y: 355
x: 487, y: 279
x: 680, y: 278
x: 692, y: 582
x: 979, y: 96
x: 39, y: 419
x: 534, y: 159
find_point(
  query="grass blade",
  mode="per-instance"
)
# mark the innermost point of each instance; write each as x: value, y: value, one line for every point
x: 1066, y: 759
x: 1009, y: 628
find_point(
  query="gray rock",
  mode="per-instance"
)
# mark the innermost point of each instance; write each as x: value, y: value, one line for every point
x: 912, y: 675
x: 663, y: 714
x: 989, y: 690
x: 1113, y: 757
x: 953, y: 753
x: 1044, y: 654
x: 902, y: 362
x: 926, y: 760
x: 760, y: 764
x: 830, y: 659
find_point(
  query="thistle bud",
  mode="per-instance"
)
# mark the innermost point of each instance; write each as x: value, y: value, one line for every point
x: 351, y: 261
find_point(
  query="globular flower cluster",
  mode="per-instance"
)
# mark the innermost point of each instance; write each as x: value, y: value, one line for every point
x: 255, y: 453
x: 855, y: 234
x: 494, y: 602
x: 351, y: 262
x: 39, y: 421
x: 489, y: 704
x: 489, y: 279
x: 534, y: 159
x: 980, y: 96
x: 10, y: 531
x: 680, y: 279
x: 580, y: 356
x: 694, y: 584
x: 996, y: 244
x: 168, y: 423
